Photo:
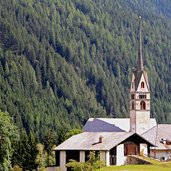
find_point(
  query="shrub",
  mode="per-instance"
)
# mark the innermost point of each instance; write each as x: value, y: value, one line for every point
x: 92, y: 164
x: 16, y: 168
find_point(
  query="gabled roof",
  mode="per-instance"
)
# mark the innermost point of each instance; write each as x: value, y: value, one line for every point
x: 107, y: 125
x: 157, y: 133
x: 90, y: 141
x: 111, y: 125
x: 138, y: 76
x: 139, y: 72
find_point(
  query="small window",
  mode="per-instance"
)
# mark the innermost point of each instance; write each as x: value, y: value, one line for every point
x: 143, y: 105
x: 142, y: 96
x: 142, y: 84
x: 132, y: 96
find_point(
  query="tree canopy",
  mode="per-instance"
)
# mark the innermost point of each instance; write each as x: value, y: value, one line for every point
x: 62, y: 62
x: 8, y: 137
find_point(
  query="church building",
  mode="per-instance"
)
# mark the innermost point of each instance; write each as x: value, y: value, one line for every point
x: 117, y: 138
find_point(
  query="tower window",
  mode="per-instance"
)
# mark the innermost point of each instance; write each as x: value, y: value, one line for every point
x: 142, y: 84
x: 132, y: 96
x: 142, y: 96
x: 143, y: 105
x: 133, y: 106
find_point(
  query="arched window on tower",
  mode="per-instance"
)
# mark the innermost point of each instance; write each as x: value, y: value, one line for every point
x: 143, y: 105
x: 133, y: 106
x: 142, y: 84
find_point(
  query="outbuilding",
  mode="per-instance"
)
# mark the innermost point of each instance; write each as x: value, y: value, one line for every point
x: 113, y: 147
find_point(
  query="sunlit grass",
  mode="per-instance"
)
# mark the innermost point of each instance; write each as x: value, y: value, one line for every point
x: 155, y: 165
x: 136, y: 168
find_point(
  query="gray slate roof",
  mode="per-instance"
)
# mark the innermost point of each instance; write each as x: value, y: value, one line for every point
x: 157, y: 133
x: 111, y: 125
x: 90, y: 141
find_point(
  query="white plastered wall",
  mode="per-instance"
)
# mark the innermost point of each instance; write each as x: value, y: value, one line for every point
x: 82, y: 156
x: 104, y: 156
x: 160, y: 153
x: 145, y: 89
x: 142, y: 121
x: 63, y: 160
x: 120, y: 158
x: 107, y: 158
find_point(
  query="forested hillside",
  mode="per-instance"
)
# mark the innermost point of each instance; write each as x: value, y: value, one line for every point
x: 62, y: 62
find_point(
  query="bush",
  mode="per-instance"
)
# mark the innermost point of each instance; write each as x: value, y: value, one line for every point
x: 92, y: 164
x: 16, y: 168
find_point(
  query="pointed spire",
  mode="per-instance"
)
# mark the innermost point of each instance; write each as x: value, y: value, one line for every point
x: 140, y: 66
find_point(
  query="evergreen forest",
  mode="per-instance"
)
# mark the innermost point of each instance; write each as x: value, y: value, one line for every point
x: 64, y: 61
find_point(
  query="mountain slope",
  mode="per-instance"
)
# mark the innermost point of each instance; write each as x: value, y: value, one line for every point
x: 62, y: 62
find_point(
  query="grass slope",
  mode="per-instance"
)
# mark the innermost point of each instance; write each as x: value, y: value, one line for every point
x: 155, y: 166
x: 136, y: 168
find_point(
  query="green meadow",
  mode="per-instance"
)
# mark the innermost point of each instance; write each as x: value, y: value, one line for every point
x: 137, y: 168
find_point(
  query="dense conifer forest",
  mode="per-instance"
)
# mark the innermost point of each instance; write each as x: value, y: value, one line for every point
x: 62, y: 62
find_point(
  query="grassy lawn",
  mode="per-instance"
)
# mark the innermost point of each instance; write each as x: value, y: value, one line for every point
x: 155, y: 165
x: 136, y: 168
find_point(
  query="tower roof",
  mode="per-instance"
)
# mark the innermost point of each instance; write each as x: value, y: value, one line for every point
x: 139, y: 71
x: 140, y: 66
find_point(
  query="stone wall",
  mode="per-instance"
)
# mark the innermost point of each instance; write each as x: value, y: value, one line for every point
x: 136, y: 160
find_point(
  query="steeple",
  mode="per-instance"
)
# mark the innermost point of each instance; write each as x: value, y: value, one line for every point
x: 140, y: 66
x: 139, y: 94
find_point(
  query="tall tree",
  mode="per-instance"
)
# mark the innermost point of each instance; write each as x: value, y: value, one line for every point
x: 26, y: 152
x: 8, y: 137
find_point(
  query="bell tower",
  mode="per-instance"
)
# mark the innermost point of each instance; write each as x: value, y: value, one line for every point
x: 139, y: 94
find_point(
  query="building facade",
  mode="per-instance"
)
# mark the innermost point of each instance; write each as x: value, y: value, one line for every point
x: 113, y: 147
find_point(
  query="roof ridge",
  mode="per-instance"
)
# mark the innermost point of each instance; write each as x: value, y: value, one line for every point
x: 150, y: 128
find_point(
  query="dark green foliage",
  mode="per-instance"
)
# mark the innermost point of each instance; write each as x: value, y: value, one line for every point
x: 16, y: 168
x: 45, y: 158
x: 72, y: 132
x: 48, y: 142
x: 8, y: 137
x: 62, y: 62
x: 25, y: 152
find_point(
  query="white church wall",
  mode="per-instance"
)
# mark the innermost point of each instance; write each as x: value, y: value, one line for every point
x: 120, y: 158
x: 107, y: 158
x: 142, y: 121
x: 138, y: 106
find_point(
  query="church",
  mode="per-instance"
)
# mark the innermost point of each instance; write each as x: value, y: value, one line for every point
x: 117, y: 138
